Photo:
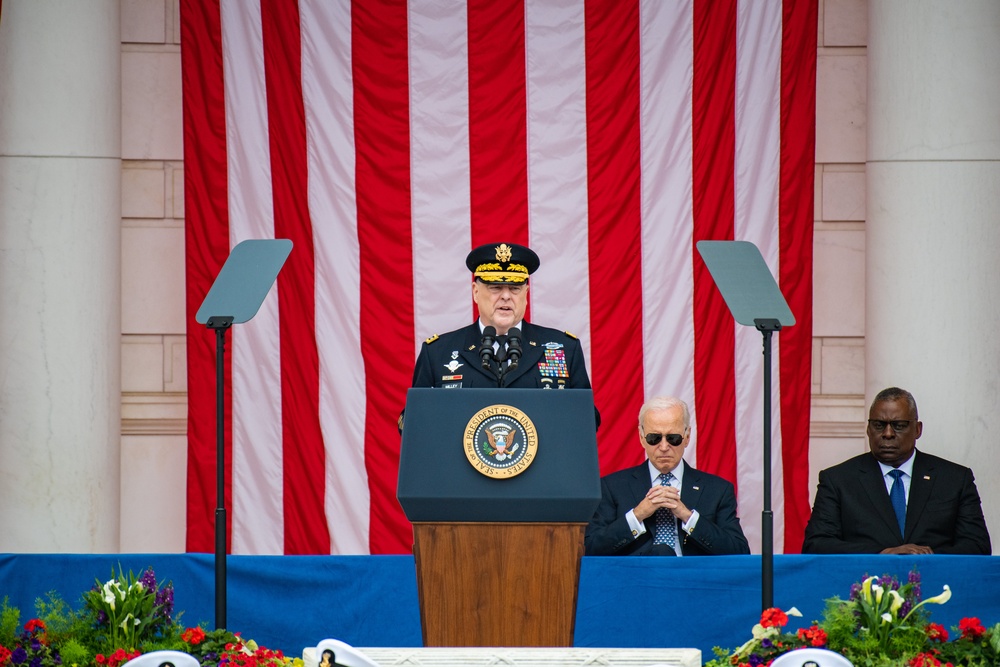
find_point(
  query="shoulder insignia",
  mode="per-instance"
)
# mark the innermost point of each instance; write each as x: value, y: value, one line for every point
x: 432, y: 339
x: 571, y: 335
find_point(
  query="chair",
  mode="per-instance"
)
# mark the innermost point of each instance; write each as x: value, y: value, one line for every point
x: 163, y: 659
x: 342, y: 655
x: 811, y: 657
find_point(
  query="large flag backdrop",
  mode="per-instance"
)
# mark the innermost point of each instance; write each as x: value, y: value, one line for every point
x: 386, y: 138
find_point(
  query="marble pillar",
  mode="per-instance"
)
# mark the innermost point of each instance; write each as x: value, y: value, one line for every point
x: 933, y: 226
x: 60, y: 274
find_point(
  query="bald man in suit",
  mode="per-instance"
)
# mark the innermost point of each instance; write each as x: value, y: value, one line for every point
x: 643, y: 512
x: 853, y: 511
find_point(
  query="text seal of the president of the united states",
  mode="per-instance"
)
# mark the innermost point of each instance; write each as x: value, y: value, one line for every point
x: 500, y: 441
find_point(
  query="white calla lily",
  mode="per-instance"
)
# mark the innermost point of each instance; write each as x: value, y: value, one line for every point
x: 109, y: 595
x: 897, y: 602
x: 866, y: 588
x: 887, y: 617
x: 943, y: 597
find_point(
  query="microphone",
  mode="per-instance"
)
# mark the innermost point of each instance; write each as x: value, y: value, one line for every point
x: 486, y: 354
x: 513, y: 348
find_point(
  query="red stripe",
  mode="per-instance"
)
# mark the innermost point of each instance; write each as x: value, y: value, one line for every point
x: 302, y: 439
x: 713, y: 203
x: 207, y: 239
x: 613, y: 151
x: 381, y: 130
x: 498, y: 157
x: 795, y: 215
x: 498, y: 161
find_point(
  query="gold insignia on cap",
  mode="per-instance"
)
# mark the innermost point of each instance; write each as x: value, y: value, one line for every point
x: 488, y: 267
x: 504, y: 252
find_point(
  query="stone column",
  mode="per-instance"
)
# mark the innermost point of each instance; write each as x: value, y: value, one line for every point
x: 933, y: 227
x: 60, y: 274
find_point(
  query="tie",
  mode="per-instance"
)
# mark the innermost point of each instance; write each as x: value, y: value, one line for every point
x: 897, y: 495
x: 501, y: 348
x: 665, y: 531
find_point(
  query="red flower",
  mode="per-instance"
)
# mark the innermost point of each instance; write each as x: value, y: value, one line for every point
x: 35, y: 624
x: 928, y: 659
x: 193, y: 636
x: 4, y: 655
x: 936, y: 632
x: 971, y: 628
x: 117, y: 658
x: 814, y: 636
x: 773, y: 617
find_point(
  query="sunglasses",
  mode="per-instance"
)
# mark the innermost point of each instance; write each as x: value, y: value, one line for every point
x: 673, y: 439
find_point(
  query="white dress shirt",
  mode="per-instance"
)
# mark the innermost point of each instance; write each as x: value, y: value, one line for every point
x: 639, y: 528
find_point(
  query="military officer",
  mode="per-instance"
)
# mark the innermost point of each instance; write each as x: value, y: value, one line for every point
x: 548, y: 358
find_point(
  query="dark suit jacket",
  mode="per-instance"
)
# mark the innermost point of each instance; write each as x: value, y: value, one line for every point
x: 452, y: 360
x: 852, y: 512
x: 718, y: 530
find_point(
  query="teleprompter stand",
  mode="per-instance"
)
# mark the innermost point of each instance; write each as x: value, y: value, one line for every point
x: 235, y: 297
x: 754, y: 299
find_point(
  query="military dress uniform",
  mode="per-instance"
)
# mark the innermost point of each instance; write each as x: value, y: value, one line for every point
x: 551, y: 359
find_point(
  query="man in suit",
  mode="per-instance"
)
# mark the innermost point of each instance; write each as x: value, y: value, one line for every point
x: 664, y: 507
x: 517, y: 353
x: 936, y: 507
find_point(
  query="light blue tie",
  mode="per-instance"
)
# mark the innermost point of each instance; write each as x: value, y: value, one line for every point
x: 665, y: 531
x: 897, y: 495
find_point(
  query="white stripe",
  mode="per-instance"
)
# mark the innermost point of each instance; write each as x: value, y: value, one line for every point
x: 327, y: 90
x: 439, y: 158
x: 557, y: 164
x: 666, y: 56
x: 257, y: 517
x: 758, y: 62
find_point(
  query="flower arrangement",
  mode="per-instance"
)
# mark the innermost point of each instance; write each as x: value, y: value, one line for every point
x: 118, y: 620
x: 884, y: 623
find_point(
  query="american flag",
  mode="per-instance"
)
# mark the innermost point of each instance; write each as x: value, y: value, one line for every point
x: 386, y: 138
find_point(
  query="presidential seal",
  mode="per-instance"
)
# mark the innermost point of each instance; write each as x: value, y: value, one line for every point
x: 500, y: 441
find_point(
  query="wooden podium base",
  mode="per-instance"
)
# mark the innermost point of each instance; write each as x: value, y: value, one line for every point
x: 497, y: 584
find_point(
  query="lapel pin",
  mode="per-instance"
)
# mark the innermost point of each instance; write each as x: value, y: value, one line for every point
x: 696, y: 488
x: 927, y: 477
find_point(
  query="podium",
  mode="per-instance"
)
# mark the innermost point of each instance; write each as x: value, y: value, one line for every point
x: 499, y: 485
